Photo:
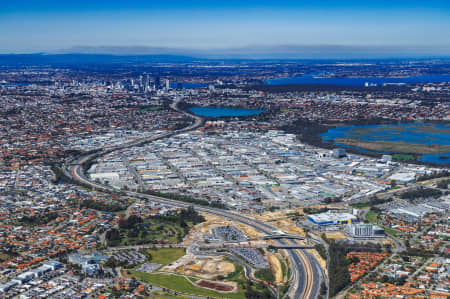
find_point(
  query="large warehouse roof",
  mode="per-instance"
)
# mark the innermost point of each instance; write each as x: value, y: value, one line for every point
x: 331, y: 218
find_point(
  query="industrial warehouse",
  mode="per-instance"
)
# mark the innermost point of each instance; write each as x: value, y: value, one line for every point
x: 330, y: 218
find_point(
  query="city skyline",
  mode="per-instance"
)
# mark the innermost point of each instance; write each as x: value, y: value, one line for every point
x: 259, y: 29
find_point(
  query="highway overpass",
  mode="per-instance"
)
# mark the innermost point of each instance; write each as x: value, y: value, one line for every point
x: 306, y: 276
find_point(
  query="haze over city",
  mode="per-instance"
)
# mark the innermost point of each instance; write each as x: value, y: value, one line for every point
x: 259, y: 29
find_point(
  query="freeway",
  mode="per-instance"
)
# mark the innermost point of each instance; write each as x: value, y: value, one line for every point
x: 305, y: 277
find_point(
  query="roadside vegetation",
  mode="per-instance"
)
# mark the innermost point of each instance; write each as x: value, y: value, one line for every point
x: 421, y: 193
x: 338, y: 266
x: 185, y: 198
x: 339, y: 275
x: 315, y: 210
x: 434, y: 175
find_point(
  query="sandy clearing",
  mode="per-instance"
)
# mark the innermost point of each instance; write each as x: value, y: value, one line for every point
x: 335, y: 235
x: 204, y: 267
x: 275, y: 264
x: 226, y: 267
x: 289, y: 226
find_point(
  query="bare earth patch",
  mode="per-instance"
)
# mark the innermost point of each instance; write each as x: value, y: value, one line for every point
x: 335, y: 235
x: 204, y: 267
x: 275, y: 264
x: 217, y: 286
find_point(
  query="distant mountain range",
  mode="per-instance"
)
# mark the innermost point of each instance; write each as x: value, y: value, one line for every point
x: 147, y: 55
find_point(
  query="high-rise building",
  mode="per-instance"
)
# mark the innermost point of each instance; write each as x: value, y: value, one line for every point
x: 167, y: 84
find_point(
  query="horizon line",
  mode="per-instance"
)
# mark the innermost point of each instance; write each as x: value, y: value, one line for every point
x: 284, y: 51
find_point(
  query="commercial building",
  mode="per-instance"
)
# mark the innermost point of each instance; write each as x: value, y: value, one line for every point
x: 330, y: 218
x: 87, y: 259
x: 364, y: 231
x: 7, y: 286
x: 403, y: 177
x: 338, y: 153
x: 386, y: 158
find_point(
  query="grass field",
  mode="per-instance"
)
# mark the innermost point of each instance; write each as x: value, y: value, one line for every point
x: 181, y: 284
x: 403, y: 157
x: 391, y: 231
x: 165, y: 256
x: 372, y: 216
x: 152, y: 108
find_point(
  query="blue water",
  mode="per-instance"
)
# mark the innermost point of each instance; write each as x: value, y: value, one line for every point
x: 440, y: 158
x: 309, y: 79
x: 16, y: 84
x: 409, y: 133
x: 224, y: 112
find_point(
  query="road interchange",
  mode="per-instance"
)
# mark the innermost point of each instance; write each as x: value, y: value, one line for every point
x: 306, y: 274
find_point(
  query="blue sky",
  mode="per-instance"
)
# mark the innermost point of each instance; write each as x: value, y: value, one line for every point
x: 304, y: 27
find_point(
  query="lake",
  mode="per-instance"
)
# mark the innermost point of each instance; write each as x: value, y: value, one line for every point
x: 224, y: 112
x: 430, y: 140
x: 310, y: 79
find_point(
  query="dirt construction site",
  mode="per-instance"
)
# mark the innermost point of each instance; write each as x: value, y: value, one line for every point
x: 206, y: 267
x: 280, y: 220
